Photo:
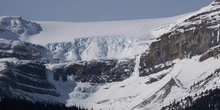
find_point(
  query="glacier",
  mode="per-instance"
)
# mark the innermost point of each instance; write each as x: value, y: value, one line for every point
x: 98, y: 47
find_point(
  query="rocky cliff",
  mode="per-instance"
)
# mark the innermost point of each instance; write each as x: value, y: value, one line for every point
x: 96, y: 71
x: 194, y: 36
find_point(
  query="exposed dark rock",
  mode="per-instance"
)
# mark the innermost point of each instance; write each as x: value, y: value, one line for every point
x: 208, y: 100
x: 180, y: 45
x: 211, y: 53
x: 217, y: 1
x: 97, y: 71
x: 27, y: 77
x: 22, y: 50
x: 155, y: 79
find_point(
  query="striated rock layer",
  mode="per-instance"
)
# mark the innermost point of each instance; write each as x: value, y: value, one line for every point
x: 194, y: 36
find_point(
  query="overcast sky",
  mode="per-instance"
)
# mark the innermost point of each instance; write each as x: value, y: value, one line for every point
x: 97, y: 10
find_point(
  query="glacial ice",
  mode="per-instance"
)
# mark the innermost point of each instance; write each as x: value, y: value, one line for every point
x: 97, y: 47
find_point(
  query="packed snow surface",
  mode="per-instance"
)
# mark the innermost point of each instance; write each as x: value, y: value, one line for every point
x: 67, y: 31
x: 134, y: 90
x: 71, y: 41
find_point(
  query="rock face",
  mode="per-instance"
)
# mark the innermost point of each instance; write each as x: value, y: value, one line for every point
x: 16, y: 79
x: 217, y: 0
x: 213, y: 52
x: 18, y: 26
x: 97, y: 71
x: 194, y: 36
x: 22, y: 50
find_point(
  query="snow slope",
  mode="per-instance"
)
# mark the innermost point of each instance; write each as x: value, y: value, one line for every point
x: 209, y: 13
x: 185, y: 77
x: 132, y: 92
x: 98, y: 40
x: 67, y: 31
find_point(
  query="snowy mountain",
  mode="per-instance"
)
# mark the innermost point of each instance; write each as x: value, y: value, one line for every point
x: 173, y: 71
x: 15, y: 28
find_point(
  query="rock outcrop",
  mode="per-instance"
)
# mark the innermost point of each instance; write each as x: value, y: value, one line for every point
x: 194, y: 36
x: 96, y: 71
x: 22, y: 50
x: 19, y: 26
x: 19, y: 80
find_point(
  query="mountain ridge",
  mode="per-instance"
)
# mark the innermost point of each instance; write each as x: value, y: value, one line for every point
x: 151, y: 79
